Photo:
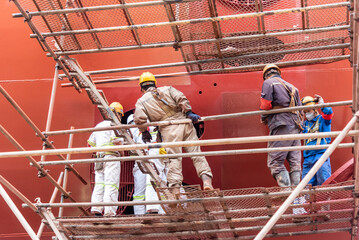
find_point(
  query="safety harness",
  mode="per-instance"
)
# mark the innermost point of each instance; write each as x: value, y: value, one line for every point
x: 292, y: 103
x: 168, y: 109
x: 314, y: 129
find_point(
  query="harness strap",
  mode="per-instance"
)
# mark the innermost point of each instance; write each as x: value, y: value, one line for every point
x: 169, y: 110
x: 292, y: 103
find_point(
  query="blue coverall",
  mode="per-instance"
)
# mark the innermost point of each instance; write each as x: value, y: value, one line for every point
x: 321, y: 123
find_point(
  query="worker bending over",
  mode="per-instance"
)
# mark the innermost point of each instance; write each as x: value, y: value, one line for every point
x: 165, y: 104
x: 107, y: 174
x: 315, y: 123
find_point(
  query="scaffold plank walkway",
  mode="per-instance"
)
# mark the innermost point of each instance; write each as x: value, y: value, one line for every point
x: 225, y: 214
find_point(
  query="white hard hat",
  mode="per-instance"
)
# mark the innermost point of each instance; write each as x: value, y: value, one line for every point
x: 130, y: 119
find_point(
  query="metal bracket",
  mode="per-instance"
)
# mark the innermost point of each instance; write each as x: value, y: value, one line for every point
x: 64, y: 196
x: 176, y: 45
x: 44, y: 144
x: 30, y: 17
x: 355, y: 194
x: 40, y: 174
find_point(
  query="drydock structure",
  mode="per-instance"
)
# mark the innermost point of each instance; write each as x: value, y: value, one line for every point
x: 211, y: 39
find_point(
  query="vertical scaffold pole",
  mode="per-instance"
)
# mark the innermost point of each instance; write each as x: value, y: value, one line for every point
x: 52, y: 199
x: 64, y: 184
x: 51, y: 106
x: 355, y: 31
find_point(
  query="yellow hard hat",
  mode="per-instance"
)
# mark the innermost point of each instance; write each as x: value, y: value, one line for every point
x: 116, y: 106
x: 147, y: 77
x: 308, y: 100
x: 270, y: 66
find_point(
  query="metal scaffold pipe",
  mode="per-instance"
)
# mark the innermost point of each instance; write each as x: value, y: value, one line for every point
x: 27, y: 119
x: 194, y: 21
x: 203, y: 41
x: 42, y: 171
x: 43, y: 42
x: 52, y: 199
x: 190, y: 200
x: 97, y: 8
x: 223, y: 70
x: 211, y: 142
x: 206, y: 118
x: 195, y: 154
x: 178, y: 64
x: 306, y: 179
x: 18, y: 214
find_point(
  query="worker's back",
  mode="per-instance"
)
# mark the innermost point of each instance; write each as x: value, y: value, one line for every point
x: 274, y: 91
x: 169, y: 104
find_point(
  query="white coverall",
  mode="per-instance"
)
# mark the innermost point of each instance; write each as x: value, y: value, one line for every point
x: 107, y: 179
x: 143, y: 189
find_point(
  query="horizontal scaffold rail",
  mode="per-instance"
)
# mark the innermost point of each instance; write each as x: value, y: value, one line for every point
x: 193, y: 21
x: 195, y: 200
x: 97, y: 8
x: 203, y: 41
x: 223, y: 70
x: 44, y: 44
x: 206, y: 118
x: 179, y: 64
x: 210, y: 142
x: 195, y: 154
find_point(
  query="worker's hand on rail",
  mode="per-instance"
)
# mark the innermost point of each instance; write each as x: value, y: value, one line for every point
x: 194, y: 117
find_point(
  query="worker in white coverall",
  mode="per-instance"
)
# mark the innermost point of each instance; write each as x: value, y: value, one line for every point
x: 143, y: 189
x: 165, y: 104
x: 107, y: 174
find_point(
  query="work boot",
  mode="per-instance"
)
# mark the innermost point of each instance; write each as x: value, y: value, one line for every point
x: 283, y: 179
x: 207, y: 182
x: 295, y: 178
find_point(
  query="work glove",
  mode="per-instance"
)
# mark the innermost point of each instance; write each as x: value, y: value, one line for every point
x: 163, y: 151
x: 146, y: 137
x: 319, y: 99
x: 194, y: 117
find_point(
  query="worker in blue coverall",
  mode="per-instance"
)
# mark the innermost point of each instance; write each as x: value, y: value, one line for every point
x: 314, y: 123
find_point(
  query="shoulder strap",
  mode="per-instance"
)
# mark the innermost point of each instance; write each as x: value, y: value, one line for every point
x: 292, y: 103
x: 168, y: 109
x: 290, y: 92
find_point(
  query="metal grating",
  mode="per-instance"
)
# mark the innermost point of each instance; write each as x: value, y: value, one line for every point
x: 226, y: 44
x: 328, y: 208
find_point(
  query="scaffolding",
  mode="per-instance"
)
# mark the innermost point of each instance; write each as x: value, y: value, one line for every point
x: 213, y: 37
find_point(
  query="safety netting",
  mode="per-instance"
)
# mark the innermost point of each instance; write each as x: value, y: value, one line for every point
x: 212, y: 35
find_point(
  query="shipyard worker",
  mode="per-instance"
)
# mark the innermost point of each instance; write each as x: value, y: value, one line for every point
x: 107, y: 174
x: 314, y: 123
x: 277, y: 93
x: 143, y: 189
x: 167, y: 103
